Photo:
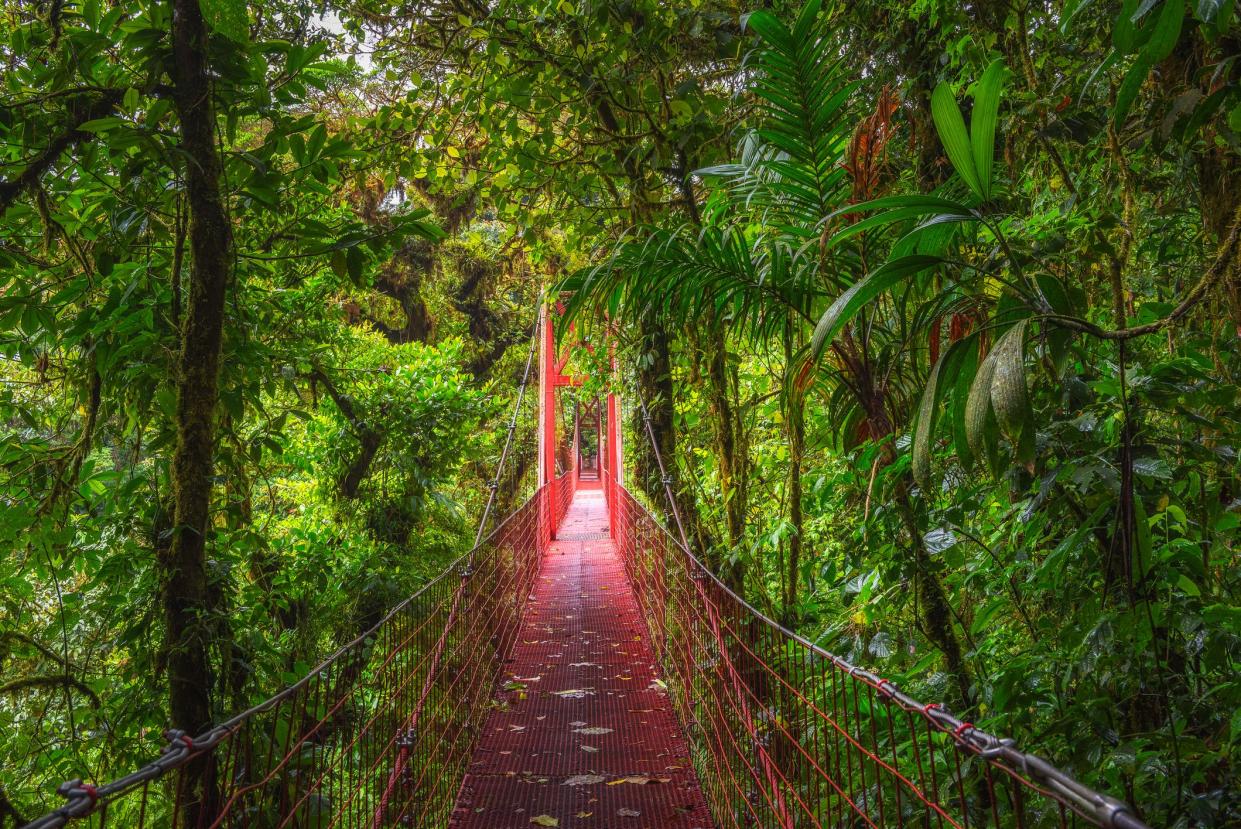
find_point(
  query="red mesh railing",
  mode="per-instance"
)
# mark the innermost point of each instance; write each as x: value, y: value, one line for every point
x: 377, y: 735
x: 784, y: 734
x: 566, y: 485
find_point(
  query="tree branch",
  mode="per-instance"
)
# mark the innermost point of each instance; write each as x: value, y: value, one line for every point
x: 1224, y: 259
x: 50, y: 681
x: 97, y: 107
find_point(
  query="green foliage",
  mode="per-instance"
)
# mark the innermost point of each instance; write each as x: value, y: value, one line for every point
x: 419, y: 399
x: 961, y: 329
x: 95, y: 272
x: 929, y: 292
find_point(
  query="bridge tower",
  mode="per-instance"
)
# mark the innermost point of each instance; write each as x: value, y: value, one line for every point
x: 553, y: 374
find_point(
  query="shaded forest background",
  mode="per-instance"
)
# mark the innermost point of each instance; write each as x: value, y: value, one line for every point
x: 936, y: 307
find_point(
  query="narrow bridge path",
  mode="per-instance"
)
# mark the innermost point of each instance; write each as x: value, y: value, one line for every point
x: 587, y: 738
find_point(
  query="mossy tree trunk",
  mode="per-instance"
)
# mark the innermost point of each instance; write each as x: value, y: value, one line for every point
x: 186, y: 594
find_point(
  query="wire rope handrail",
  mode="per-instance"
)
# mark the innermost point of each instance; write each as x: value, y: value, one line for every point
x: 789, y: 734
x: 351, y: 731
x: 340, y: 744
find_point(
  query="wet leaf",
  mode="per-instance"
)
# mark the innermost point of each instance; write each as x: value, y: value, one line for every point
x: 978, y: 408
x: 594, y: 730
x: 1009, y: 397
x: 584, y: 780
x: 574, y: 693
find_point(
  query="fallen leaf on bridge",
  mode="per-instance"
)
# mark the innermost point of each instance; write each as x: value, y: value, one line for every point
x: 574, y: 693
x: 584, y: 779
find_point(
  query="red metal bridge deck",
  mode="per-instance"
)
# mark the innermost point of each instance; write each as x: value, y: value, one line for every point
x: 587, y: 738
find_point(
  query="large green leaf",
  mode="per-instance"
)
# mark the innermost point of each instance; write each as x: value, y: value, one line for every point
x: 768, y: 27
x: 951, y: 128
x: 942, y: 374
x: 804, y: 27
x: 1161, y: 37
x: 1125, y: 31
x: 978, y: 409
x: 1167, y: 31
x: 925, y: 425
x: 899, y: 208
x: 1129, y: 88
x: 848, y: 304
x: 983, y: 120
x: 961, y: 383
x: 928, y: 204
x: 1009, y: 398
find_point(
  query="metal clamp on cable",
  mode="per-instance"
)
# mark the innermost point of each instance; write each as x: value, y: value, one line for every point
x: 75, y: 789
x: 996, y: 748
x: 179, y: 743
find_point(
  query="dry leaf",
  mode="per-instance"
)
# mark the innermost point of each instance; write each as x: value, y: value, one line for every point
x: 545, y: 820
x: 574, y: 693
x: 594, y: 730
x: 584, y: 780
x: 623, y: 812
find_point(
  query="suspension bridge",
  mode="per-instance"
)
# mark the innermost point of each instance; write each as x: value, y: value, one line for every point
x: 582, y: 668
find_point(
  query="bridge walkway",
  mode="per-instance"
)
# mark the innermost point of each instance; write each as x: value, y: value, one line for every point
x: 586, y: 737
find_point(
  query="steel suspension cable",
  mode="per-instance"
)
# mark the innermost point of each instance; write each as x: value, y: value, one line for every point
x: 494, y: 484
x: 351, y: 663
x: 1026, y: 770
x: 663, y: 474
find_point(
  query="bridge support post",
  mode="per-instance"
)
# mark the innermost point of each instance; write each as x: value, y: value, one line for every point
x: 547, y: 427
x: 615, y: 460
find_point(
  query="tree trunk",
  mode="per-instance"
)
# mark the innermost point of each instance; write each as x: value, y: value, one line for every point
x: 655, y: 392
x: 183, y: 568
x: 795, y: 421
x: 730, y: 457
x: 369, y: 439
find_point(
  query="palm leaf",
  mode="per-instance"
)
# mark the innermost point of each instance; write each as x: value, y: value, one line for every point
x: 983, y: 120
x: 950, y: 125
x: 804, y: 131
x: 858, y: 295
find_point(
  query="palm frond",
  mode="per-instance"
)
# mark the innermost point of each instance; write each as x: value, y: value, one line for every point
x: 792, y: 162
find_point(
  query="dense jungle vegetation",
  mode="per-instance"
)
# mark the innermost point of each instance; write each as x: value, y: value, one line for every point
x: 936, y: 306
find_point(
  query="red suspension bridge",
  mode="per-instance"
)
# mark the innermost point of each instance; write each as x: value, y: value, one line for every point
x: 581, y: 667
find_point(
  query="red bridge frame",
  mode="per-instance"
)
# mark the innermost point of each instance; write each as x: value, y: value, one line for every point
x: 552, y: 376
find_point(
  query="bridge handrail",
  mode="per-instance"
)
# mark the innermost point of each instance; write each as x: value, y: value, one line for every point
x: 83, y: 799
x: 1001, y: 753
